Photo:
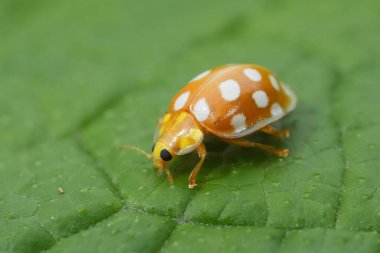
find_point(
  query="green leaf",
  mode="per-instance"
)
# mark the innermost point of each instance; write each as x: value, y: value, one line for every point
x: 77, y: 79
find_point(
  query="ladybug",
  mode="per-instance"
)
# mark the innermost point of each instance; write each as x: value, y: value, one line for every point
x: 229, y: 102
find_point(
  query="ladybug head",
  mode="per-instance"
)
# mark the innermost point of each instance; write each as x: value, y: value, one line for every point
x: 162, y: 154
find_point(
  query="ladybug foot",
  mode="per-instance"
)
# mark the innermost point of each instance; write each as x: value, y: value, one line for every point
x: 192, y: 184
x: 283, y: 152
x: 284, y: 133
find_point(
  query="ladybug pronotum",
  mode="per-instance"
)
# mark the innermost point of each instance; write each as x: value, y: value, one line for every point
x: 229, y: 102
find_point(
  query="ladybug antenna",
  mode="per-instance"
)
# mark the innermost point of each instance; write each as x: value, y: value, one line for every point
x: 127, y: 147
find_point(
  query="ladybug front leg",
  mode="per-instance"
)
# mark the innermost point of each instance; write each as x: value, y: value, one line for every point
x: 169, y: 176
x: 275, y: 132
x: 202, y: 155
x: 267, y: 148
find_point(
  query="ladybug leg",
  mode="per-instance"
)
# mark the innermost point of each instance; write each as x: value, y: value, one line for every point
x: 202, y: 155
x: 267, y: 148
x: 275, y: 132
x: 169, y: 176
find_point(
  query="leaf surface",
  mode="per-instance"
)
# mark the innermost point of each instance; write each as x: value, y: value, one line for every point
x: 77, y: 79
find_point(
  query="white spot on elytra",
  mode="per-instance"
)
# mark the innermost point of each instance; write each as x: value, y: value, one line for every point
x: 288, y: 92
x: 274, y: 82
x: 230, y: 90
x: 181, y: 100
x: 260, y: 98
x: 276, y: 110
x: 253, y: 74
x: 238, y: 122
x: 201, y: 75
x: 201, y: 110
x: 232, y: 111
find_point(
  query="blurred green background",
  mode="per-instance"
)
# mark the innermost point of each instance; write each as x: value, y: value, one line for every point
x: 78, y: 78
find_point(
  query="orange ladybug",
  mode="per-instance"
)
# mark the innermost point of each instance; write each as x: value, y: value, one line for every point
x: 229, y: 102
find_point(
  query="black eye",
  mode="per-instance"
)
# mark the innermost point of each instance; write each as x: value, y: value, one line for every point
x: 153, y: 147
x: 165, y: 155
